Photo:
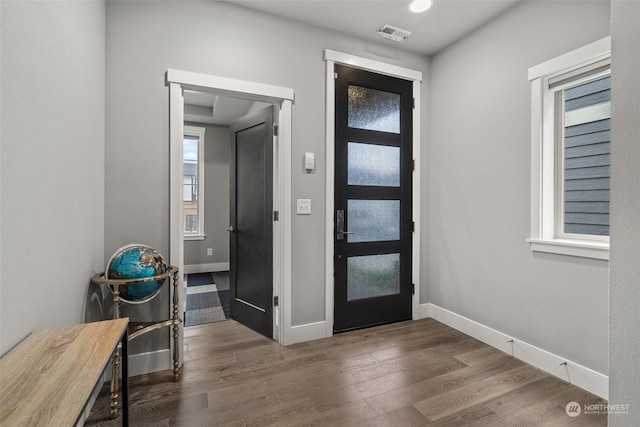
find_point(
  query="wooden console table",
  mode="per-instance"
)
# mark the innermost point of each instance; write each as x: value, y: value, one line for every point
x: 48, y: 378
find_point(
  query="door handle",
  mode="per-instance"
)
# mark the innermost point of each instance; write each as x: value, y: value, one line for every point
x: 340, y: 233
x: 230, y: 229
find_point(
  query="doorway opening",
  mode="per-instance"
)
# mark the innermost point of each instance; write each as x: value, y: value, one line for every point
x: 258, y: 95
x: 207, y: 192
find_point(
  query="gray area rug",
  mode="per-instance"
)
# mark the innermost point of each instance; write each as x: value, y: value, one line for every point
x: 207, y: 298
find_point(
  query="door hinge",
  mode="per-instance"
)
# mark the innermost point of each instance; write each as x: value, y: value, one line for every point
x: 413, y: 289
x: 275, y: 130
x: 414, y: 103
x: 413, y: 165
x: 275, y: 301
x: 276, y: 216
x: 413, y: 226
x: 335, y: 75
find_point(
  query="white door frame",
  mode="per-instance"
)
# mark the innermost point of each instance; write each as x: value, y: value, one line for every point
x: 332, y: 57
x: 283, y: 99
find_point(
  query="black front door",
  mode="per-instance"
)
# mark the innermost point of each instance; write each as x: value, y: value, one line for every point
x: 251, y: 275
x: 373, y: 187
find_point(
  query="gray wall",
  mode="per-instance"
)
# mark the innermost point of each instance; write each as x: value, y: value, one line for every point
x: 478, y: 262
x: 52, y: 85
x: 146, y: 38
x: 52, y: 167
x: 624, y: 353
x: 216, y: 199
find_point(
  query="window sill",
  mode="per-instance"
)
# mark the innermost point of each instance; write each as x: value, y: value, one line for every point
x: 594, y: 250
x: 194, y: 236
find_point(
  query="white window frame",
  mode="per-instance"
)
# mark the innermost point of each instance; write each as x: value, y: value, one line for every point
x: 198, y: 132
x: 546, y: 156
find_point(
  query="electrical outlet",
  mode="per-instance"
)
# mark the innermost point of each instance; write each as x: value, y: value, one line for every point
x: 209, y: 251
x: 303, y: 207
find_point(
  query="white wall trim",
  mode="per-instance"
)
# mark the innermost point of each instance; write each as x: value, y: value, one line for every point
x: 176, y: 226
x: 584, y: 249
x: 332, y: 57
x: 415, y: 244
x: 145, y: 363
x: 575, y: 59
x: 573, y: 373
x: 306, y: 332
x: 276, y: 186
x: 153, y: 361
x: 206, y: 268
x: 92, y: 400
x: 423, y: 311
x: 194, y: 237
x: 282, y: 272
x: 546, y: 213
x: 232, y: 87
x: 372, y: 65
x: 330, y: 156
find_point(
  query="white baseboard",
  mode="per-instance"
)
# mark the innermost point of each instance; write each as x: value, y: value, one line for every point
x: 153, y: 361
x: 145, y: 363
x: 423, y: 312
x: 206, y: 268
x: 573, y: 373
x: 90, y: 402
x: 306, y: 332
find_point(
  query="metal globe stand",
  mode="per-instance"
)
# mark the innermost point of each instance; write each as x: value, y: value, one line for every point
x: 137, y: 329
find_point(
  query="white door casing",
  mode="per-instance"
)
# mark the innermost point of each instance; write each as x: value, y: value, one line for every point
x: 283, y: 99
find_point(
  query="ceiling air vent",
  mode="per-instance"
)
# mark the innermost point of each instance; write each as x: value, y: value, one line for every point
x: 394, y: 33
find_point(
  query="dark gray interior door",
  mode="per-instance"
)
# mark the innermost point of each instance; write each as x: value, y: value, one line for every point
x: 251, y: 228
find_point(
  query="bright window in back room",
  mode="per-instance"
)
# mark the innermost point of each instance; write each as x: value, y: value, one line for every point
x: 192, y: 182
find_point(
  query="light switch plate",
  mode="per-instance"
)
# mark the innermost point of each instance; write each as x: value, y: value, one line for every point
x: 303, y: 207
x: 309, y: 162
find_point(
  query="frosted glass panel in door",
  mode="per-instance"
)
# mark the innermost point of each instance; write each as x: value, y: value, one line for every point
x: 373, y: 165
x: 373, y: 276
x: 373, y: 109
x: 373, y: 220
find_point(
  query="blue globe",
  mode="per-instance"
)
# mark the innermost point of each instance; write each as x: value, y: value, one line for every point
x: 135, y: 262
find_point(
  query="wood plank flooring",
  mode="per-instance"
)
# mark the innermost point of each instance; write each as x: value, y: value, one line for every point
x: 412, y: 373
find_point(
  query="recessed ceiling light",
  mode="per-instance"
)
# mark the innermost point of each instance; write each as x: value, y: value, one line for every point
x: 419, y: 6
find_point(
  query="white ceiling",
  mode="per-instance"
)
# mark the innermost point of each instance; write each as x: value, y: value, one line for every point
x: 204, y: 107
x: 433, y: 30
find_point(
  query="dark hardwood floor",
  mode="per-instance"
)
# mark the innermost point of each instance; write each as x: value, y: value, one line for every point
x: 407, y: 374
